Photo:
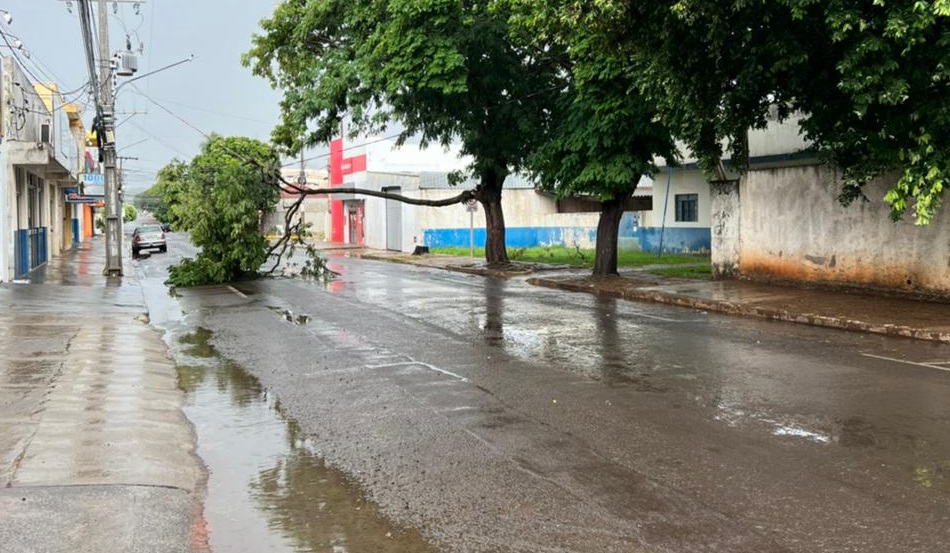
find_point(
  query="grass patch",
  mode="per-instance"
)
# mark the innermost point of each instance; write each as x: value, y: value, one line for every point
x: 558, y: 255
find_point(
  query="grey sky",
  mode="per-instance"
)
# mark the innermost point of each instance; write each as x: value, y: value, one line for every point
x: 213, y: 93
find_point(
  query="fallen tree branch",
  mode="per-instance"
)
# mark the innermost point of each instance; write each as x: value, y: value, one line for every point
x: 464, y: 196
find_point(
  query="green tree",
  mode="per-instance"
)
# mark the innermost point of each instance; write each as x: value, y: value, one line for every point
x: 868, y: 80
x: 442, y: 71
x: 170, y: 184
x: 129, y: 213
x: 889, y: 107
x: 604, y: 135
x: 226, y: 189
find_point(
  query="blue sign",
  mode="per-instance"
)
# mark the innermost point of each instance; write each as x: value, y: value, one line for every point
x: 93, y: 178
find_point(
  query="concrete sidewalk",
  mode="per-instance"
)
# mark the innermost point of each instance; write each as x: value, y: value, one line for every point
x: 95, y: 453
x: 844, y: 309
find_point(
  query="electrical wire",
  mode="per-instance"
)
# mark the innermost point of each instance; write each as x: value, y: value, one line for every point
x: 202, y: 110
x: 160, y: 141
x: 170, y: 112
x: 16, y: 54
x: 235, y: 154
x: 88, y: 33
x: 346, y: 149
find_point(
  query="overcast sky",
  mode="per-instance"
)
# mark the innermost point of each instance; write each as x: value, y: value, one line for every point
x: 213, y: 93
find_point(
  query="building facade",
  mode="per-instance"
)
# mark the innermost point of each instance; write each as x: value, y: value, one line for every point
x: 40, y: 154
x: 532, y: 218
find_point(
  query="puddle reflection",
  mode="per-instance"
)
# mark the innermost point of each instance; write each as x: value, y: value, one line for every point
x: 267, y: 489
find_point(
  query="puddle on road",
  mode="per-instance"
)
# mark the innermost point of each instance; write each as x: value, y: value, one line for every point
x: 267, y: 490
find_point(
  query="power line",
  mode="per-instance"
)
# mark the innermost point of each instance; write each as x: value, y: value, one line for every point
x: 232, y: 116
x: 160, y: 141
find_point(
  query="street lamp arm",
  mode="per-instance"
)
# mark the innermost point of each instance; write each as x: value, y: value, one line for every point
x: 143, y: 75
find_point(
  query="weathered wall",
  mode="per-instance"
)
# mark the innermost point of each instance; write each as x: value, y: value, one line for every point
x: 792, y: 227
x: 724, y: 233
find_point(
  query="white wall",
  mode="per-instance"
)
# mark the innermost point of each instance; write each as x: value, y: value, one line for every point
x: 792, y: 227
x: 776, y: 139
x: 684, y: 181
x: 522, y: 208
x: 7, y: 213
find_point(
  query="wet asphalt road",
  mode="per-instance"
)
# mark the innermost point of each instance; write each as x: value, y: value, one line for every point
x: 490, y: 415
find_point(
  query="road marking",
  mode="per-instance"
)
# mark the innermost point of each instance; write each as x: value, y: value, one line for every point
x: 421, y: 364
x: 236, y: 291
x: 904, y: 361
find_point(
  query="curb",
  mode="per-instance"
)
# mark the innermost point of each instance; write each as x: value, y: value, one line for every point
x: 738, y: 309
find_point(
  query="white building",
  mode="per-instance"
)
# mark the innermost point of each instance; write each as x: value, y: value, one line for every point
x: 41, y: 141
x: 532, y: 218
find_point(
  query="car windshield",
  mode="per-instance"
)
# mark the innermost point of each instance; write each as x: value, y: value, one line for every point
x: 147, y: 230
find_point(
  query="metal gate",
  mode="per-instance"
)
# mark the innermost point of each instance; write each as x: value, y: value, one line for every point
x: 393, y: 220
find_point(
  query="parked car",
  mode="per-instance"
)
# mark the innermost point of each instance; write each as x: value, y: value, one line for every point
x: 149, y: 237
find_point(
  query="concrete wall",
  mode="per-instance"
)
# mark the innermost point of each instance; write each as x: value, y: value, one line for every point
x: 7, y: 212
x: 776, y: 139
x: 725, y: 231
x: 375, y: 213
x: 531, y: 219
x: 792, y: 227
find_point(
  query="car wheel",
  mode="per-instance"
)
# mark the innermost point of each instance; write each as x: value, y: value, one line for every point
x: 163, y: 249
x: 135, y: 253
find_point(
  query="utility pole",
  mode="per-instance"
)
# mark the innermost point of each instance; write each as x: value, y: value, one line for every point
x: 107, y: 126
x: 122, y: 175
x: 101, y: 78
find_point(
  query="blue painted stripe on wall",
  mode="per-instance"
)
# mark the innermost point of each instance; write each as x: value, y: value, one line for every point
x: 674, y: 240
x: 630, y: 237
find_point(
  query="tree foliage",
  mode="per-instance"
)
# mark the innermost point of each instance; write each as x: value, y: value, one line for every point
x: 163, y: 196
x: 443, y: 71
x: 890, y: 107
x: 868, y: 80
x: 218, y: 199
x: 604, y: 134
x: 129, y: 213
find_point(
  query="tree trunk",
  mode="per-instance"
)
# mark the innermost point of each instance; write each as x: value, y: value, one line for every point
x: 489, y: 194
x: 605, y: 256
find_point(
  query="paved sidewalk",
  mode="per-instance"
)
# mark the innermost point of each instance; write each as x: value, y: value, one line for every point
x: 95, y: 453
x: 844, y: 309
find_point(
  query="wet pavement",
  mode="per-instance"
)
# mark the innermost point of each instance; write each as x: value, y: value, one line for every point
x: 843, y: 308
x: 413, y: 409
x: 95, y: 453
x: 493, y: 415
x: 267, y: 488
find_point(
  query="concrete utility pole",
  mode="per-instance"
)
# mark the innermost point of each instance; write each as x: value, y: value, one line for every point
x: 107, y: 126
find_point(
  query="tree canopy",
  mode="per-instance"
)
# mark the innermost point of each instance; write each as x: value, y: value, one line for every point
x: 867, y: 80
x: 218, y: 199
x: 164, y: 194
x: 442, y: 71
x: 604, y: 135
